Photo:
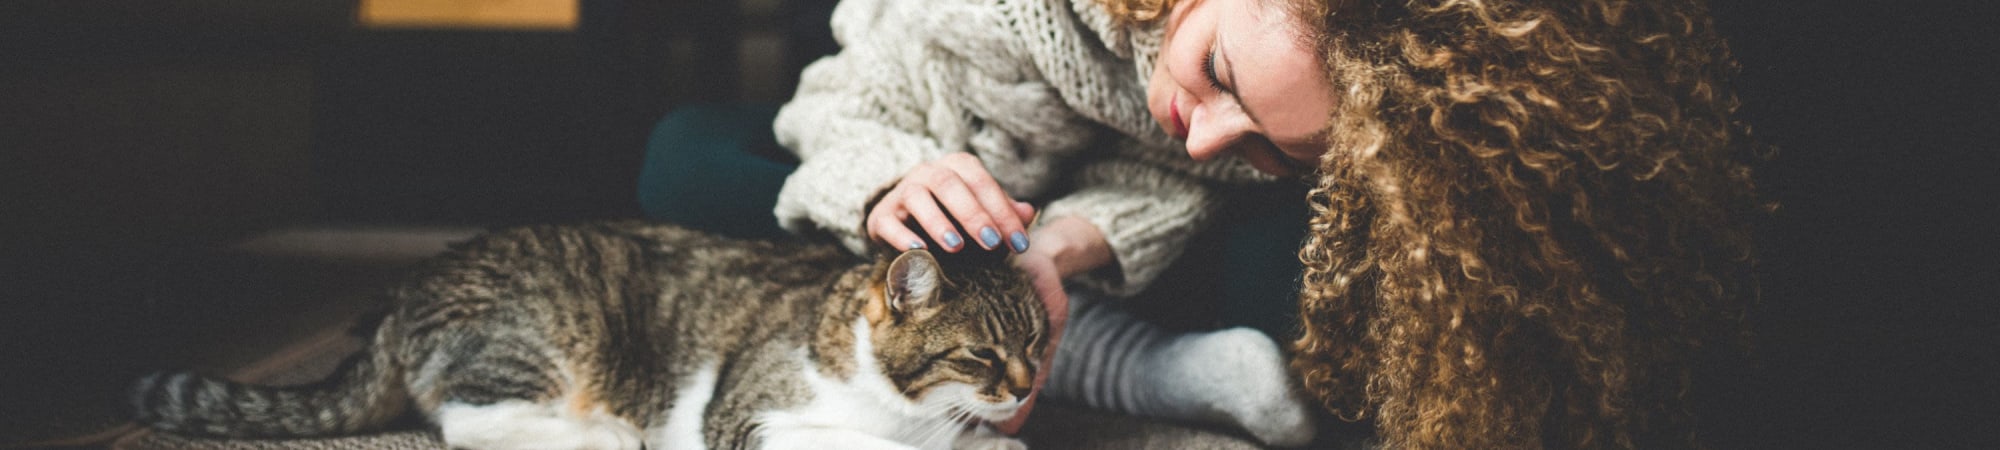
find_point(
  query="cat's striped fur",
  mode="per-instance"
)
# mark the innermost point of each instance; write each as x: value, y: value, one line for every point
x: 612, y: 334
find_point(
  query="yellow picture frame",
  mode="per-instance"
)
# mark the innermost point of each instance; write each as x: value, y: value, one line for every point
x: 547, y: 15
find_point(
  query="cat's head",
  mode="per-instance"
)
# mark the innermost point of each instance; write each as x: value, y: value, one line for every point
x: 959, y: 331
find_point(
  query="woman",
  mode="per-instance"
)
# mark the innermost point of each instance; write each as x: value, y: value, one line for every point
x: 1062, y: 131
x: 971, y: 111
x: 1529, y: 215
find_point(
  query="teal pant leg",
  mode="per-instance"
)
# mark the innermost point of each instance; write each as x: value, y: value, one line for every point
x: 715, y: 168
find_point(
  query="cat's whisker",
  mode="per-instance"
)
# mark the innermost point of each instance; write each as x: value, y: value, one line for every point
x: 941, y: 429
x: 919, y: 435
x: 973, y: 409
x: 954, y: 421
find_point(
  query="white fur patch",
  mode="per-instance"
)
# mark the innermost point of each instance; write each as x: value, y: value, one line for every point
x: 866, y: 410
x: 524, y: 425
x: 684, y: 422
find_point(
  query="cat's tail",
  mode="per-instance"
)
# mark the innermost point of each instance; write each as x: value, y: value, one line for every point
x: 366, y: 392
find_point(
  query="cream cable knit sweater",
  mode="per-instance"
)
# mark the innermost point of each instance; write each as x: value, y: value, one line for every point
x: 1049, y: 94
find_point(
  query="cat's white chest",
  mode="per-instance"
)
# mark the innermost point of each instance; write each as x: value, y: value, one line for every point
x: 862, y: 411
x: 682, y: 429
x: 850, y: 408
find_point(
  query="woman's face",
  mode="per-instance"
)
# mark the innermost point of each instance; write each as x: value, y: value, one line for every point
x: 1235, y: 77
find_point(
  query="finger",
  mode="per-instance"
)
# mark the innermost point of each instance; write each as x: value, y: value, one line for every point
x: 1001, y: 221
x: 1025, y: 211
x: 1055, y: 301
x: 924, y: 207
x: 872, y: 224
x: 885, y: 225
x: 1007, y: 221
x: 959, y: 200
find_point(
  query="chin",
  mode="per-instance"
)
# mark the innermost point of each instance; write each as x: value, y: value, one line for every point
x: 999, y: 412
x: 1268, y: 166
x: 961, y: 398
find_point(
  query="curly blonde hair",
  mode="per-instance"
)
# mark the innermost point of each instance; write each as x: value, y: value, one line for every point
x: 1534, y: 218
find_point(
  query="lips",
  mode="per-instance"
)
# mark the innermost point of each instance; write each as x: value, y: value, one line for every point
x: 1180, y: 130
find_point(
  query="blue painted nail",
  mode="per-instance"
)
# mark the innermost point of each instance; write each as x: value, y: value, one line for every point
x: 1020, y: 242
x: 916, y: 244
x: 989, y: 238
x: 951, y: 239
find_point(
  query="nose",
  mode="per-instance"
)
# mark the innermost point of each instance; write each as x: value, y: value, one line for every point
x: 1020, y: 379
x: 1020, y: 392
x: 1214, y: 128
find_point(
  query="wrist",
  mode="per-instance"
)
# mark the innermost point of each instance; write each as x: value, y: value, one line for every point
x: 1072, y: 244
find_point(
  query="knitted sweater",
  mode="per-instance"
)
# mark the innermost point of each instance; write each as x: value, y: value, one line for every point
x: 1049, y: 94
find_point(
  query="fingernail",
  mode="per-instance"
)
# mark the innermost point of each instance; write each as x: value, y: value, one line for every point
x: 916, y: 244
x: 951, y: 239
x: 989, y: 238
x: 1020, y: 242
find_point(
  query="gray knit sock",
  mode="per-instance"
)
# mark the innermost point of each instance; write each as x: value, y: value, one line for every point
x: 1110, y: 360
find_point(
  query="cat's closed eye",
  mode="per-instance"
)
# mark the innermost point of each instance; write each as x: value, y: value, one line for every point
x: 985, y: 355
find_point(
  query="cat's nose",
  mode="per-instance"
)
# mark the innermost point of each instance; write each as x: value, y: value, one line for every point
x: 1020, y: 392
x: 1020, y: 379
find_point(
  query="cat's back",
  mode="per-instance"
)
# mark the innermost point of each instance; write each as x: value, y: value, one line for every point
x: 698, y: 253
x: 563, y: 243
x: 632, y: 277
x: 607, y: 251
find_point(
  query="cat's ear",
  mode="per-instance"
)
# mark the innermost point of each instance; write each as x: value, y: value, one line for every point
x: 913, y: 281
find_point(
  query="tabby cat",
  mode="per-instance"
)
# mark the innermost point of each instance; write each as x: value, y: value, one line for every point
x: 617, y: 335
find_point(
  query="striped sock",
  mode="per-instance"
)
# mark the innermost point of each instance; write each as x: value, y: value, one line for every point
x: 1111, y: 360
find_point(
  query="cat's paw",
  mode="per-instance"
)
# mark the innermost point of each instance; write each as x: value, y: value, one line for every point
x: 1258, y: 397
x: 984, y: 438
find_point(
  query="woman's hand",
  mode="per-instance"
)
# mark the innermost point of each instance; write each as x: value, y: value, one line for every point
x: 955, y: 187
x: 1069, y: 246
x: 1048, y: 286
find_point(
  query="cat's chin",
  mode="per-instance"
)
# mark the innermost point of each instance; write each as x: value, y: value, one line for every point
x: 959, y: 401
x: 997, y: 413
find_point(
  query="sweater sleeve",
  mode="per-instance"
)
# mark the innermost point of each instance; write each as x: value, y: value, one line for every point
x: 857, y: 125
x: 913, y: 82
x: 1146, y: 212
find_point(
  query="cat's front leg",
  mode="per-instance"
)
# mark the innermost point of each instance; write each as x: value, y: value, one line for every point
x: 524, y: 425
x: 802, y: 438
x: 983, y: 437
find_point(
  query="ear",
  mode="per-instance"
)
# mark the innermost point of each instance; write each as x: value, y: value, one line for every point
x: 913, y: 281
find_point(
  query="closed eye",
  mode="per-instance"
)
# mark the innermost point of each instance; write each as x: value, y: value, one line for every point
x: 1208, y: 71
x: 986, y: 355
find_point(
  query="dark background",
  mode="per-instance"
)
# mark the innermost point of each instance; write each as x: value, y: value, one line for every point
x: 1879, y: 322
x: 136, y: 134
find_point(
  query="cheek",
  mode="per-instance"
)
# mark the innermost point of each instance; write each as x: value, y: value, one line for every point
x: 1160, y: 90
x: 950, y: 394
